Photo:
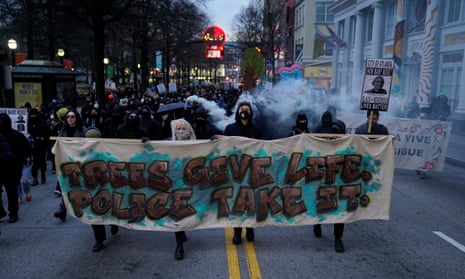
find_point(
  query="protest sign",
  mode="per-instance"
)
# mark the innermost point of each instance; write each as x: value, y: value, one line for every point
x: 420, y: 144
x: 18, y: 118
x: 376, y: 87
x: 230, y: 182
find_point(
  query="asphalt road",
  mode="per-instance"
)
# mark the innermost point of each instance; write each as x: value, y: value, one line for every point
x: 427, y: 216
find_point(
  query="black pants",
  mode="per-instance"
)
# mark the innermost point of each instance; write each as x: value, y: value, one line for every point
x: 11, y: 182
x: 338, y: 229
x: 39, y: 162
x: 99, y: 232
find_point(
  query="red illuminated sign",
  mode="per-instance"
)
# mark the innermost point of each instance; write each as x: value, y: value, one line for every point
x: 214, y: 39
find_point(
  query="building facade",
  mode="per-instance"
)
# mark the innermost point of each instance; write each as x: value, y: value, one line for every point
x: 313, y: 47
x: 425, y: 38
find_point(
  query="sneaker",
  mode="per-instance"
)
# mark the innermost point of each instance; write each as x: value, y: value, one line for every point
x: 3, y: 214
x: 57, y: 193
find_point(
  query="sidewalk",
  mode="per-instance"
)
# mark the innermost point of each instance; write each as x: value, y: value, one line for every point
x: 455, y: 153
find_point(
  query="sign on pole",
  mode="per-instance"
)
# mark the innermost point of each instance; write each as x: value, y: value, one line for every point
x: 376, y: 87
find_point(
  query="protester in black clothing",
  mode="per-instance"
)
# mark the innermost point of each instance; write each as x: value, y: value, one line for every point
x: 131, y: 128
x: 72, y: 127
x: 100, y: 234
x: 440, y: 109
x: 152, y: 126
x: 326, y: 122
x: 85, y: 110
x: 244, y: 127
x: 20, y: 148
x: 301, y: 125
x: 40, y: 133
x: 111, y: 124
x: 337, y: 127
x: 202, y: 127
x: 376, y: 128
x: 94, y: 119
x: 5, y: 157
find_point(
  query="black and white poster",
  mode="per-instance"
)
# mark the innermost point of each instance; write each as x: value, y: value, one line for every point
x: 376, y: 87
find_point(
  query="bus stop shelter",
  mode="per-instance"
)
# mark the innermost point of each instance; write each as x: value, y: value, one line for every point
x: 39, y: 82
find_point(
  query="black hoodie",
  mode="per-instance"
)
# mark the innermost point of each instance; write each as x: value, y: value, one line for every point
x: 19, y: 145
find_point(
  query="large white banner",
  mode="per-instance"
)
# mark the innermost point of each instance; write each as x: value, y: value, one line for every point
x: 229, y: 182
x: 420, y: 144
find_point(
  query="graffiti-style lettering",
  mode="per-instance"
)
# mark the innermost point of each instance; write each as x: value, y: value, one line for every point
x: 259, y: 175
x: 239, y: 168
x: 326, y: 196
x: 267, y: 203
x: 181, y: 208
x: 221, y: 196
x: 158, y: 176
x: 245, y: 201
x: 350, y: 193
x: 195, y: 172
x: 292, y: 207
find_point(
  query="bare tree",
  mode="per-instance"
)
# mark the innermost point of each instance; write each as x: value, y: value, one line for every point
x: 249, y: 25
x: 273, y: 11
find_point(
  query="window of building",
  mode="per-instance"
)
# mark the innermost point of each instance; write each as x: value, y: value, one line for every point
x: 323, y: 14
x: 453, y: 9
x: 340, y: 29
x: 416, y: 16
x: 328, y: 48
x: 370, y: 20
x: 390, y: 19
x: 450, y: 74
x: 353, y: 20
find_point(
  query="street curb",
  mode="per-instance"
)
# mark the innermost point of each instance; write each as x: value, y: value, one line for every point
x: 455, y: 162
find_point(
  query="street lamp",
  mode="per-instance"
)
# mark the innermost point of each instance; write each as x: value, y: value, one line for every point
x: 61, y: 54
x: 12, y: 45
x: 106, y: 61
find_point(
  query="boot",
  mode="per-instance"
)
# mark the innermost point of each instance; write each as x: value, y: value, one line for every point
x: 61, y: 214
x: 237, y: 239
x: 179, y: 253
x: 317, y: 230
x: 338, y: 245
x: 249, y: 234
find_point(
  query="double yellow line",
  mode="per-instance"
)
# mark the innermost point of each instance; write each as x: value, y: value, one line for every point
x: 233, y: 259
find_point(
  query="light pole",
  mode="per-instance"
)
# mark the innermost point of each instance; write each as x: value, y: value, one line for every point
x: 61, y: 54
x: 106, y: 61
x: 12, y: 45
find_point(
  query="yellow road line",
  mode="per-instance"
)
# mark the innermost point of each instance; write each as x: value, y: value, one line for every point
x: 233, y: 260
x: 231, y: 252
x: 252, y: 262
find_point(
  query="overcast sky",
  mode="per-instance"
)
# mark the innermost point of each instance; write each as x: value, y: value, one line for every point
x: 222, y: 13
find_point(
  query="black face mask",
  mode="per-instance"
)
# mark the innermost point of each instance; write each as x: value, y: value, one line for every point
x: 145, y: 114
x: 200, y: 121
x: 244, y: 115
x: 302, y: 125
x: 132, y: 123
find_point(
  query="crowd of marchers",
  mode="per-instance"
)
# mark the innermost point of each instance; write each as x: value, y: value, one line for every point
x: 144, y: 116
